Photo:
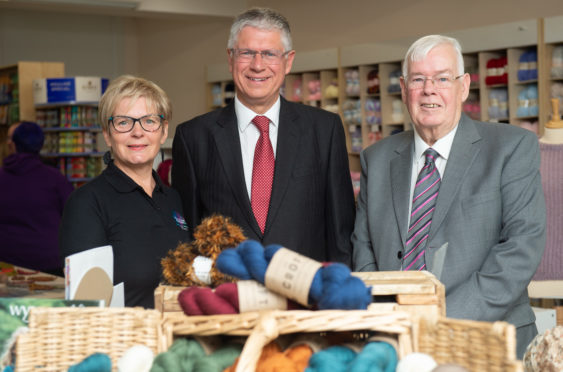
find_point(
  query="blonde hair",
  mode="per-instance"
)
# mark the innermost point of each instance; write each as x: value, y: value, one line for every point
x: 132, y: 87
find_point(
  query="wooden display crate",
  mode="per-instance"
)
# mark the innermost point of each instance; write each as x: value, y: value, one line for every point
x: 418, y: 292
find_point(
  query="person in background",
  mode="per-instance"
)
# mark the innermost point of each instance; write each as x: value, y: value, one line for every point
x: 477, y: 218
x: 32, y: 198
x: 278, y: 169
x: 127, y: 206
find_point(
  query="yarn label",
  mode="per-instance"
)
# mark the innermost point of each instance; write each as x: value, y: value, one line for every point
x: 202, y: 269
x: 291, y: 274
x: 253, y: 296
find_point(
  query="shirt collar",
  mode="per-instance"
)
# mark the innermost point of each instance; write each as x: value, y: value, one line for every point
x: 245, y: 115
x: 442, y: 146
x: 123, y: 183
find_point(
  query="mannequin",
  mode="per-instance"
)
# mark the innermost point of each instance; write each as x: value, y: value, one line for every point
x: 553, y: 133
x: 551, y: 147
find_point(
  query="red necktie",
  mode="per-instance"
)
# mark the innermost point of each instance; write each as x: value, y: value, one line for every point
x: 262, y: 172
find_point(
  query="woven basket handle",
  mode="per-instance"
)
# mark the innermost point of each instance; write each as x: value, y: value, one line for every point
x: 265, y: 331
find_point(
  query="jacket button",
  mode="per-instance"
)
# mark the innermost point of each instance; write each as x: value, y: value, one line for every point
x: 400, y: 255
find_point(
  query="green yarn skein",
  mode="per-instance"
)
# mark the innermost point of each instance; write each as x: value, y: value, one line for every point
x: 188, y: 356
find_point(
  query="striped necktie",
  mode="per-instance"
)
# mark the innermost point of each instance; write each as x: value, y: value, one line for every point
x: 423, y: 205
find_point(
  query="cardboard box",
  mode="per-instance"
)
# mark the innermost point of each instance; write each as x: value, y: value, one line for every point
x: 69, y: 90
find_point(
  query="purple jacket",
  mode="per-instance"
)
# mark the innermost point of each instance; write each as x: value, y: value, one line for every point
x: 32, y: 197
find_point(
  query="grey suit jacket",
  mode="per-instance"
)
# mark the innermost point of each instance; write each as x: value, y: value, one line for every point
x: 312, y: 205
x: 488, y: 229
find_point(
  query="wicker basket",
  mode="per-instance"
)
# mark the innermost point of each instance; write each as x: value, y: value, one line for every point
x: 477, y: 346
x: 263, y: 327
x: 61, y: 337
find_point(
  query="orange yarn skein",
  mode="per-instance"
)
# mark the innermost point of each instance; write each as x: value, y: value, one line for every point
x: 272, y: 359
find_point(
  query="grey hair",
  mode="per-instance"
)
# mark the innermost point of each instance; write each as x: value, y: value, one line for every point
x: 420, y: 49
x: 263, y: 19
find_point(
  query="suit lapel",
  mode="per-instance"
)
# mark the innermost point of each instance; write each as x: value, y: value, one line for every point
x: 227, y: 142
x: 400, y: 184
x: 286, y: 155
x: 461, y: 157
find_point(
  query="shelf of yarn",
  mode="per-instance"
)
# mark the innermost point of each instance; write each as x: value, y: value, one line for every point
x: 523, y: 88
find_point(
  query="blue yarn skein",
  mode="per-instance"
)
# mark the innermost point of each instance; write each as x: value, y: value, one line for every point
x: 332, y: 359
x: 375, y: 357
x: 333, y: 286
x: 97, y: 362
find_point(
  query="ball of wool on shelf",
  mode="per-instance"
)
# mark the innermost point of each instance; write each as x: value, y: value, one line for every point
x: 333, y: 286
x: 97, y: 362
x: 416, y: 362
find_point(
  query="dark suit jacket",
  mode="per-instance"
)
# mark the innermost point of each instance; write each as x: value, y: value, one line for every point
x: 488, y: 229
x: 312, y: 204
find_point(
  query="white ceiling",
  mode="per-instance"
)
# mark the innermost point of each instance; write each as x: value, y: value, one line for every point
x: 134, y: 8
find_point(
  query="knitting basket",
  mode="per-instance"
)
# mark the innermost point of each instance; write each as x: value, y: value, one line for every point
x: 61, y: 337
x: 266, y: 326
x: 477, y: 346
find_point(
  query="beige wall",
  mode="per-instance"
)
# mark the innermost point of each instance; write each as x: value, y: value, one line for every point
x: 174, y: 51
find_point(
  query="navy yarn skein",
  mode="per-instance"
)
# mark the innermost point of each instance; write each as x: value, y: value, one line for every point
x: 333, y: 286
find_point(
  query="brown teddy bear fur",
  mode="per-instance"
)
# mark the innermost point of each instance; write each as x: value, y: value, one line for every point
x: 211, y: 237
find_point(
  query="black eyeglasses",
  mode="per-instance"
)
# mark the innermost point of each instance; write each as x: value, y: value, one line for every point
x: 124, y: 124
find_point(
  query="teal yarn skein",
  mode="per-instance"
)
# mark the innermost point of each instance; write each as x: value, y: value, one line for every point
x: 375, y: 357
x: 333, y: 286
x: 97, y: 362
x: 332, y: 359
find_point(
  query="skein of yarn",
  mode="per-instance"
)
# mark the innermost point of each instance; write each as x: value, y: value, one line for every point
x: 332, y: 359
x: 273, y: 359
x: 97, y: 362
x: 416, y: 362
x: 189, y: 356
x: 332, y: 286
x: 137, y: 358
x: 374, y: 357
x: 224, y: 300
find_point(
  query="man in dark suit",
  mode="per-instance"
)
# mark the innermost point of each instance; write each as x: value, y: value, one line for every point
x: 479, y: 223
x: 304, y: 198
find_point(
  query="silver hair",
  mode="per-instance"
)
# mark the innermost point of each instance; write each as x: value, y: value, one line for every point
x: 263, y: 19
x: 420, y: 49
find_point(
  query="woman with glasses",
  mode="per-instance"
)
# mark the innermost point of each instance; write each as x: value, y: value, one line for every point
x: 128, y: 206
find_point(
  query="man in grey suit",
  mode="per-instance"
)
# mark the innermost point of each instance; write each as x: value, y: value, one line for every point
x: 304, y: 199
x: 483, y: 232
